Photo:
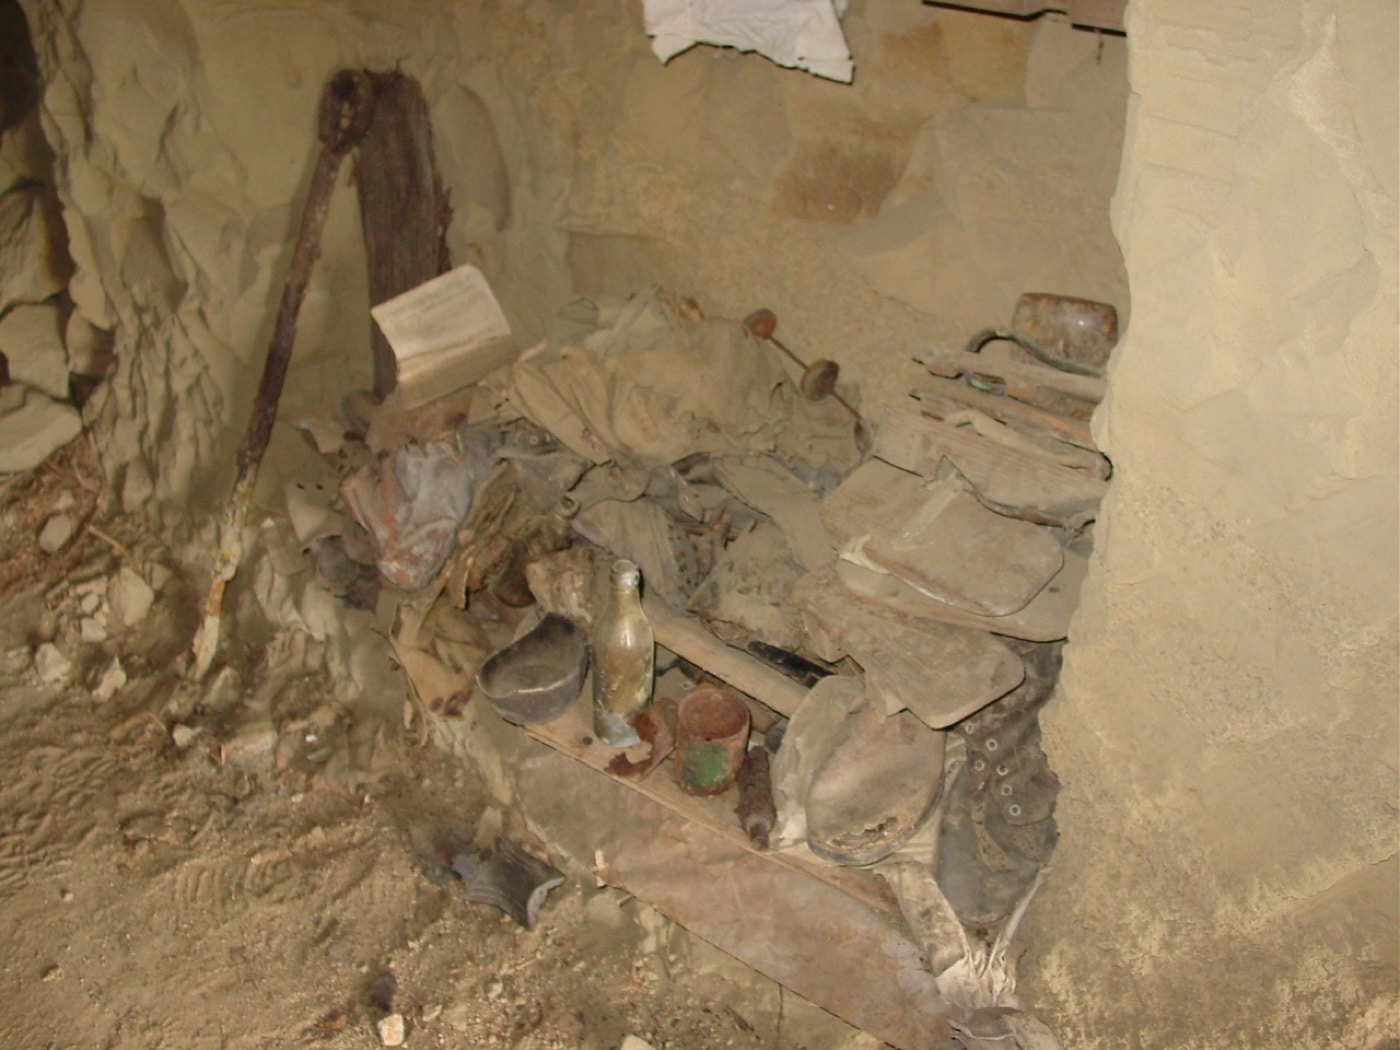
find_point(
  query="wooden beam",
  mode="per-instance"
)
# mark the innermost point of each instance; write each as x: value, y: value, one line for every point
x: 1093, y: 14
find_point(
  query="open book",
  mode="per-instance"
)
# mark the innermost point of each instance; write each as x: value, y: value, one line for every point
x: 446, y: 334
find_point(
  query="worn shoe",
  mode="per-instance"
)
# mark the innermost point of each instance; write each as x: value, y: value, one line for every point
x: 998, y: 825
x: 875, y: 788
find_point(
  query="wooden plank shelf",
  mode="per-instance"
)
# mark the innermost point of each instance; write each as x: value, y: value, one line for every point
x: 572, y: 734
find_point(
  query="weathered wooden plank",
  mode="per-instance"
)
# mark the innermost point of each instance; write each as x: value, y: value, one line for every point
x: 687, y: 637
x: 939, y: 671
x: 941, y: 397
x: 404, y: 212
x: 850, y: 958
x: 572, y: 734
x: 1023, y: 380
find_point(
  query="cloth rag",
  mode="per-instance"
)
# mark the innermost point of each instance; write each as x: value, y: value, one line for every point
x: 799, y: 34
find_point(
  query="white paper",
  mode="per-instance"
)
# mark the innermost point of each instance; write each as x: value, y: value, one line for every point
x: 454, y: 310
x: 800, y: 34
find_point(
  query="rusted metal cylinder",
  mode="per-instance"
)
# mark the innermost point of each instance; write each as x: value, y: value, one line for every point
x: 756, y: 811
x: 712, y: 735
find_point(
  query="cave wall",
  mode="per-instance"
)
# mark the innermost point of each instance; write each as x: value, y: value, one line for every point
x: 1226, y: 725
x: 1226, y: 731
x: 973, y: 158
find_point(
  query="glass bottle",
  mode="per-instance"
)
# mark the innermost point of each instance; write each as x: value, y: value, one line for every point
x: 624, y: 657
x: 543, y: 535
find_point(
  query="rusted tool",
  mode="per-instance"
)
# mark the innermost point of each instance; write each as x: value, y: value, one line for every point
x: 1076, y: 329
x: 1072, y: 335
x: 756, y: 811
x: 347, y: 106
x: 818, y: 379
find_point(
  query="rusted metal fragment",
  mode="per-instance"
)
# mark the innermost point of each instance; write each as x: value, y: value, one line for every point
x: 656, y: 725
x: 508, y: 878
x: 756, y: 811
x: 1076, y: 329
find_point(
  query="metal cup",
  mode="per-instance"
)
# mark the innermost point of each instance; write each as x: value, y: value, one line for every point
x: 711, y: 737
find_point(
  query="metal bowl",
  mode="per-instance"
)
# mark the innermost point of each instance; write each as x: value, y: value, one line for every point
x: 537, y: 676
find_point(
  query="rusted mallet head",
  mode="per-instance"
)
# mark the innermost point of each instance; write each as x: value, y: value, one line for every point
x: 818, y: 379
x: 761, y: 324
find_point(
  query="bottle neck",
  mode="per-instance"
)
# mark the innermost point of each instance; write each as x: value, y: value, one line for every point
x: 624, y: 577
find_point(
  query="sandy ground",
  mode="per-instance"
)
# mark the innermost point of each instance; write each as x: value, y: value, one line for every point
x: 175, y: 873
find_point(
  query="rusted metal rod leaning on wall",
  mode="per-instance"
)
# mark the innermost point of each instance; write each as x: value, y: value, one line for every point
x: 347, y: 106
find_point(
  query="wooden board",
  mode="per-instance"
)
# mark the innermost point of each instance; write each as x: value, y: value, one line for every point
x: 939, y: 671
x: 572, y: 735
x: 1025, y: 381
x: 853, y: 960
x: 940, y: 397
x: 687, y: 637
x: 1096, y: 14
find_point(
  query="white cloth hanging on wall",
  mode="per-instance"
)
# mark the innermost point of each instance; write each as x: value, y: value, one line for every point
x: 800, y: 34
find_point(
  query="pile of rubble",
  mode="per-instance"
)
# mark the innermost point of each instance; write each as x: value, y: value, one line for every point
x: 890, y: 598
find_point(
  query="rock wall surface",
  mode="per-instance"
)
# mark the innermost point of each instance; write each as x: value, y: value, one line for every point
x: 911, y: 207
x: 1227, y: 724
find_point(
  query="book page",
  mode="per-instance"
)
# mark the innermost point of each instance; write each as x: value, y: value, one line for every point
x: 455, y: 309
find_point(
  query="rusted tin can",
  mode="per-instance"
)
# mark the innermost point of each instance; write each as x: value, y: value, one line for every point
x: 712, y: 736
x: 1078, y: 330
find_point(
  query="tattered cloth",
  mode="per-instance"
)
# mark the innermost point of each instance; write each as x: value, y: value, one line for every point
x: 685, y: 387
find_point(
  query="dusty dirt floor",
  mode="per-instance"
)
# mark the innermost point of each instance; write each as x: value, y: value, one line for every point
x: 175, y: 874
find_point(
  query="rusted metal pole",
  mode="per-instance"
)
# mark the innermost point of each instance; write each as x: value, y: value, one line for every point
x: 347, y: 106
